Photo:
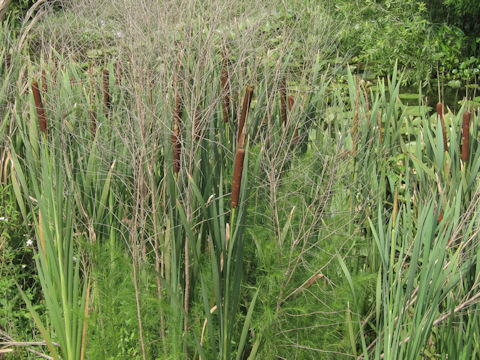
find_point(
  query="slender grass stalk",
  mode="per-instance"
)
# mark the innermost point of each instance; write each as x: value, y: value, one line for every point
x: 465, y: 135
x: 8, y: 61
x: 440, y: 114
x: 225, y: 80
x: 283, y: 100
x: 42, y: 116
x: 106, y: 91
x: 243, y: 116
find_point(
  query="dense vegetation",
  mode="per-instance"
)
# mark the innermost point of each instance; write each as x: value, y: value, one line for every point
x: 213, y: 180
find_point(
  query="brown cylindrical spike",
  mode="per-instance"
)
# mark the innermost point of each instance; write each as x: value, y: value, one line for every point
x: 106, y: 91
x: 225, y: 86
x: 243, y: 116
x: 442, y: 122
x: 237, y: 177
x: 465, y: 135
x: 42, y: 116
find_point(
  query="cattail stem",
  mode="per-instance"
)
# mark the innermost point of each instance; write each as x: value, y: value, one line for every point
x: 442, y: 122
x: 224, y: 77
x: 465, y: 135
x: 106, y: 91
x: 176, y: 136
x: 237, y: 176
x: 243, y: 116
x: 283, y: 100
x: 42, y: 116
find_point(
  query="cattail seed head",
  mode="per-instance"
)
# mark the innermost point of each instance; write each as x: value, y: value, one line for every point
x: 465, y: 135
x: 106, y: 91
x: 42, y: 116
x: 243, y: 116
x: 442, y: 122
x: 237, y: 177
x: 224, y: 77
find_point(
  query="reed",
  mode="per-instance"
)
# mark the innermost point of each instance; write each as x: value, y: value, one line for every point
x: 106, y: 92
x: 465, y: 135
x: 440, y: 111
x: 42, y: 116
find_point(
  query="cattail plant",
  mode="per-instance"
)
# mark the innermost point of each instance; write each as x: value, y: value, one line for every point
x: 42, y: 116
x: 176, y: 136
x: 106, y: 91
x: 225, y: 86
x: 240, y: 154
x: 465, y: 135
x: 245, y: 108
x: 283, y: 100
x: 442, y: 122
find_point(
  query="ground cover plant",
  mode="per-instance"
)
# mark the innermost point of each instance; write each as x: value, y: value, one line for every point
x: 190, y: 180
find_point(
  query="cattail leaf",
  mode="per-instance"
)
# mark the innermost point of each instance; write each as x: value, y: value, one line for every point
x: 246, y: 326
